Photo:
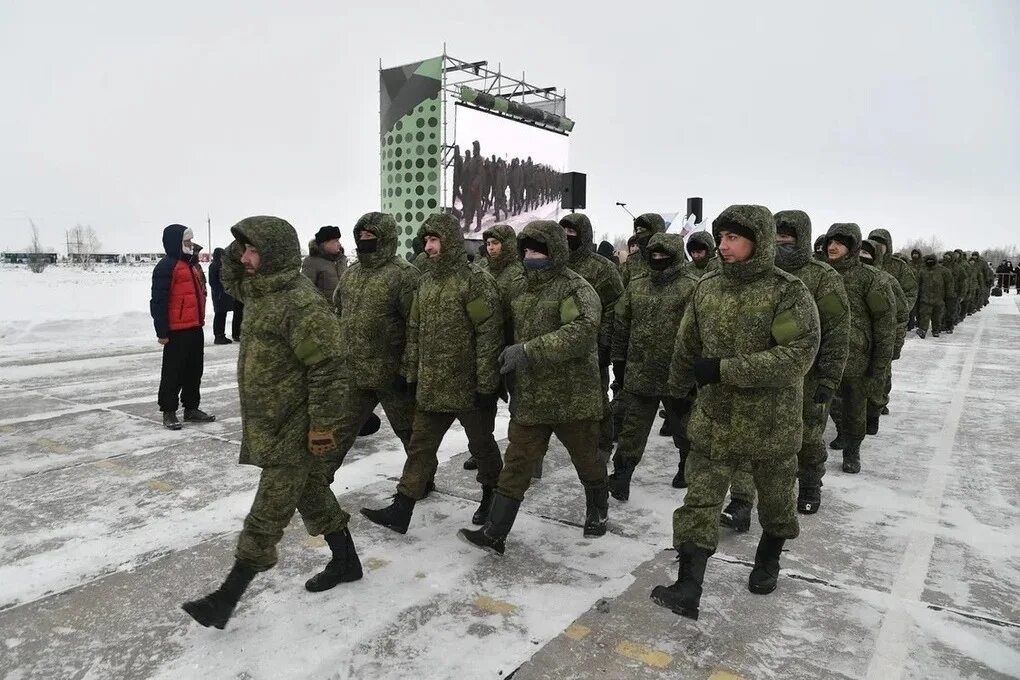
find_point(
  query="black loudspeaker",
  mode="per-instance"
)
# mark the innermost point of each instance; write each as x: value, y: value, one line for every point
x: 573, y: 190
x: 694, y: 206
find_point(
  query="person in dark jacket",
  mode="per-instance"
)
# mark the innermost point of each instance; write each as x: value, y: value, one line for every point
x: 223, y: 302
x: 177, y: 307
x: 606, y: 250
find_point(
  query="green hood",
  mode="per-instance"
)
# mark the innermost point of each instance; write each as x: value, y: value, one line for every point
x: 650, y: 222
x: 885, y: 238
x: 702, y: 239
x: 385, y: 229
x: 947, y: 258
x: 871, y: 248
x: 853, y: 233
x: 276, y: 241
x: 505, y: 234
x: 800, y: 223
x: 759, y: 220
x: 582, y: 225
x: 552, y: 235
x: 448, y: 230
x: 672, y: 245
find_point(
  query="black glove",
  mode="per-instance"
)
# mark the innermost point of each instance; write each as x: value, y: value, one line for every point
x: 823, y: 395
x: 678, y: 408
x: 603, y: 356
x: 706, y: 371
x: 619, y: 371
x: 401, y: 385
x: 485, y: 401
x: 512, y: 358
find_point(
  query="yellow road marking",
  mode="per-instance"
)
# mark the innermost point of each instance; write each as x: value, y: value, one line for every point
x: 646, y: 655
x: 157, y: 485
x: 492, y: 606
x: 576, y: 631
x: 373, y: 563
x: 724, y: 675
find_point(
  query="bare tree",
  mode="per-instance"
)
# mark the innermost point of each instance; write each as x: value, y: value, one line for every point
x: 37, y: 260
x: 1000, y: 253
x: 927, y: 246
x: 82, y: 245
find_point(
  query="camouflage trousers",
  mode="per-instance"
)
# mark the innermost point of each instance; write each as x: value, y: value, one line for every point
x: 952, y: 315
x: 637, y: 424
x: 930, y: 314
x: 356, y: 405
x: 850, y: 407
x: 426, y: 436
x: 811, y: 457
x: 528, y: 445
x: 708, y: 479
x: 879, y: 397
x: 282, y: 490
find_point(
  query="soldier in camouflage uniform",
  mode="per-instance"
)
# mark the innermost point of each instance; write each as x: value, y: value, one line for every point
x: 960, y: 285
x: 605, y: 279
x: 916, y: 262
x: 878, y: 400
x: 646, y: 321
x: 373, y: 301
x: 794, y: 255
x: 987, y: 277
x: 645, y: 226
x: 933, y: 295
x: 952, y: 301
x: 904, y: 275
x: 555, y: 384
x: 289, y: 378
x: 872, y: 340
x: 454, y: 337
x: 748, y: 337
x: 701, y: 248
x: 819, y: 250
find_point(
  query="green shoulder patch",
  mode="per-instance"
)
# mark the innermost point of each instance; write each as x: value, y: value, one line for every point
x: 878, y: 304
x: 478, y: 310
x: 309, y: 352
x: 569, y: 310
x: 831, y: 306
x: 786, y: 328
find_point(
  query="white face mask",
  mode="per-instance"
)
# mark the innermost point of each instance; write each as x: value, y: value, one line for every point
x: 187, y: 250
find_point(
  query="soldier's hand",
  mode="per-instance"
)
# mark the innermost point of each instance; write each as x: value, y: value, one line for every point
x: 823, y: 395
x: 512, y: 358
x: 707, y: 371
x: 163, y: 341
x: 320, y: 442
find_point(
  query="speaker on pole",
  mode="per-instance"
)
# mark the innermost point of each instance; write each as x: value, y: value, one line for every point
x: 573, y: 190
x: 694, y: 206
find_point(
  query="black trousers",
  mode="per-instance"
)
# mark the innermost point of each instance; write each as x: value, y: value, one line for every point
x: 182, y: 369
x: 236, y: 318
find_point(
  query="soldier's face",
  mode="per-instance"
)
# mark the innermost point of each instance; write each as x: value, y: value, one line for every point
x: 570, y: 231
x: 530, y: 254
x: 251, y: 259
x: 836, y: 250
x: 433, y: 246
x: 734, y: 248
x: 699, y: 254
x: 785, y: 238
x: 332, y: 247
x: 633, y: 248
x: 494, y: 247
x: 880, y: 247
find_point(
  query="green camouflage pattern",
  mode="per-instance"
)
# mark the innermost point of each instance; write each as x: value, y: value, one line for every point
x: 557, y: 317
x: 455, y: 329
x: 597, y: 271
x: 706, y: 242
x: 373, y: 301
x: 896, y: 291
x: 323, y: 270
x: 635, y: 265
x: 931, y: 282
x: 898, y: 268
x: 506, y: 268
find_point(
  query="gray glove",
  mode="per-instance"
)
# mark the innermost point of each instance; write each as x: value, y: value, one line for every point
x: 512, y: 358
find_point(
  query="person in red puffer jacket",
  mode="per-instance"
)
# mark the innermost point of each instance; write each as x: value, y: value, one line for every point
x: 178, y: 314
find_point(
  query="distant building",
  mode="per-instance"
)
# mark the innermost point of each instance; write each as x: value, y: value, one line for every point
x: 25, y: 258
x: 101, y: 258
x: 133, y: 258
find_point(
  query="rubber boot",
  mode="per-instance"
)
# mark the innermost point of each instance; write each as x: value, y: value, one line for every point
x: 471, y: 463
x: 619, y: 480
x: 482, y: 513
x: 343, y: 568
x: 396, y: 515
x: 596, y: 512
x: 852, y: 458
x: 737, y: 515
x: 215, y: 608
x: 665, y: 430
x: 170, y: 421
x: 492, y: 536
x: 684, y: 596
x: 765, y: 575
x: 837, y: 444
x: 680, y: 478
x: 809, y: 498
x: 872, y: 425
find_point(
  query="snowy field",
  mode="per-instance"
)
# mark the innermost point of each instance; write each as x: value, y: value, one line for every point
x: 108, y: 522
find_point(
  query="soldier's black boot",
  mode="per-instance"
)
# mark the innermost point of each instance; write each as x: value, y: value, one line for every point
x: 852, y: 458
x: 665, y: 430
x: 396, y: 515
x: 482, y: 513
x: 619, y: 480
x: 471, y: 463
x: 809, y: 498
x: 684, y: 596
x: 215, y: 608
x: 921, y: 333
x: 737, y: 515
x: 596, y: 512
x: 885, y: 410
x: 872, y: 425
x: 765, y: 575
x: 492, y: 536
x: 343, y: 568
x: 196, y: 415
x: 170, y: 421
x: 680, y: 478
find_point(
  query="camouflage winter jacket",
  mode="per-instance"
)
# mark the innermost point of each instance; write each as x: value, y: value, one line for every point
x: 597, y: 271
x: 964, y: 281
x: 872, y: 310
x: 704, y: 241
x: 506, y: 268
x: 896, y: 291
x: 948, y: 277
x: 932, y: 283
x: 290, y: 365
x: 648, y: 317
x: 763, y: 324
x: 645, y: 226
x: 557, y: 318
x: 373, y: 301
x: 455, y: 331
x: 900, y: 270
x: 826, y: 287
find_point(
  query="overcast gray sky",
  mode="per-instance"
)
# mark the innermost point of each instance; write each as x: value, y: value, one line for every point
x: 131, y: 115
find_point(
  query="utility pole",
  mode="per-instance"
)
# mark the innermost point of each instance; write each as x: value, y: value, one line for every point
x: 208, y: 226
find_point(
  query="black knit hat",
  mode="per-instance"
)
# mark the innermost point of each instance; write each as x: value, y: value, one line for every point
x: 734, y: 228
x: 844, y: 239
x: 327, y: 234
x: 532, y: 244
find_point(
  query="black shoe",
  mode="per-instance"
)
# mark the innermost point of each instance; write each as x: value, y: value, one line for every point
x: 872, y: 425
x: 684, y: 596
x: 194, y: 415
x: 665, y: 430
x: 949, y: 331
x: 596, y: 512
x: 852, y: 458
x: 170, y: 421
x: 370, y: 426
x: 934, y: 334
x: 737, y: 515
x: 215, y: 608
x: 619, y: 480
x: 222, y: 340
x: 921, y: 333
x: 343, y: 568
x: 837, y: 444
x: 471, y: 463
x: 492, y: 536
x: 482, y: 513
x: 765, y: 576
x: 809, y: 499
x: 680, y: 479
x: 396, y: 515
x: 885, y: 410
x: 236, y: 338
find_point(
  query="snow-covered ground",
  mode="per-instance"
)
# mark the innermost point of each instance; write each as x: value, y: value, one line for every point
x: 108, y: 522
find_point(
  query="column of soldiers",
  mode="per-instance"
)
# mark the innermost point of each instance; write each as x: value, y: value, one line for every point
x: 745, y: 337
